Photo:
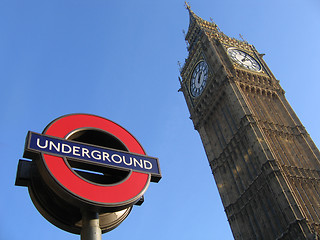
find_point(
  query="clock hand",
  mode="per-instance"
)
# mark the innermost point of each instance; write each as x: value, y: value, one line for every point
x: 199, y: 78
x: 244, y: 59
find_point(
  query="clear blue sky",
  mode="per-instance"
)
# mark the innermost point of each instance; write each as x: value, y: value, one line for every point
x: 118, y: 59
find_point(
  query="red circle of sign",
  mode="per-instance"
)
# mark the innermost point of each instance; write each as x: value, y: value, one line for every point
x: 123, y: 192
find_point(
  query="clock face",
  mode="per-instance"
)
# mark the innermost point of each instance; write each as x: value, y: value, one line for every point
x: 199, y: 79
x: 244, y: 59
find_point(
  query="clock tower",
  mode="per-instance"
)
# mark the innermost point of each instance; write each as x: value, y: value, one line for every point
x: 264, y: 162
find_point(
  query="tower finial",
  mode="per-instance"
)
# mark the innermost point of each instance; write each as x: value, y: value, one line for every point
x: 187, y: 5
x: 191, y: 13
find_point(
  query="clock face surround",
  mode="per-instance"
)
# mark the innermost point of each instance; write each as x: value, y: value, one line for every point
x: 199, y: 79
x: 244, y: 59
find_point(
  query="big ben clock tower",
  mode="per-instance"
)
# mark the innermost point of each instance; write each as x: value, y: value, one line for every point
x: 265, y: 164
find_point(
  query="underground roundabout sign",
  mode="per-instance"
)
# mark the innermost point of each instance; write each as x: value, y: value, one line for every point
x: 83, y: 161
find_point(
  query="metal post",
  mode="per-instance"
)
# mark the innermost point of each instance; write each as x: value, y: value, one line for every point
x: 90, y: 226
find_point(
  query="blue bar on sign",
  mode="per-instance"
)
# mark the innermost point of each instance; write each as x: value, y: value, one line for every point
x: 92, y: 154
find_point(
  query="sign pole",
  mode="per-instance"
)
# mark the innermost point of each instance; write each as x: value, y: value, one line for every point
x: 90, y: 226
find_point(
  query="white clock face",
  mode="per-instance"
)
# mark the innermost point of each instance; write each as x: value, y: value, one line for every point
x: 199, y: 79
x: 244, y: 59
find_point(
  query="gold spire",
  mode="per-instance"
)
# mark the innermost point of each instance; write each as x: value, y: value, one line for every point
x: 187, y: 5
x: 202, y: 23
x: 192, y: 15
x: 211, y: 29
